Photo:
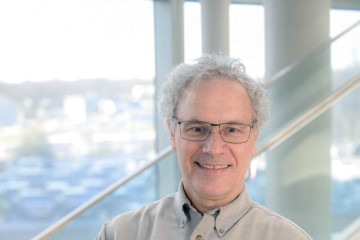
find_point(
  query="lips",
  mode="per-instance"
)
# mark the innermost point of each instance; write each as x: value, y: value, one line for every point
x: 213, y: 166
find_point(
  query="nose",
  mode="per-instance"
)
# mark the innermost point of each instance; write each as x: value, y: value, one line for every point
x: 214, y: 144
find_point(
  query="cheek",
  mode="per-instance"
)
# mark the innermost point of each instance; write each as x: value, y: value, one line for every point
x: 186, y: 152
x: 245, y: 154
x: 254, y: 139
x: 252, y: 150
x: 251, y: 146
x: 183, y: 158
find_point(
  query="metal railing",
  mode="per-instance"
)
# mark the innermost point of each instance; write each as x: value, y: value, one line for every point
x: 310, y: 115
x: 274, y: 78
x: 280, y: 137
x: 99, y: 197
x: 272, y: 143
x: 352, y: 232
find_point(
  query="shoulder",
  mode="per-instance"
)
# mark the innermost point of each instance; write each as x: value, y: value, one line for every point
x: 273, y: 223
x: 147, y: 212
x: 128, y: 223
x: 150, y: 210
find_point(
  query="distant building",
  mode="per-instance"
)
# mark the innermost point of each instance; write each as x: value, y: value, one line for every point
x: 8, y: 111
x: 74, y: 108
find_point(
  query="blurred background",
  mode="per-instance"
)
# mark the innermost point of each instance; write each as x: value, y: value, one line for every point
x: 79, y: 81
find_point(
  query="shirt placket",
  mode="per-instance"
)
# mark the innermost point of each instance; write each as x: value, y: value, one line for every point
x: 204, y: 229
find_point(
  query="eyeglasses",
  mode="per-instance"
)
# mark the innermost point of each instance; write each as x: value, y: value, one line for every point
x: 198, y: 131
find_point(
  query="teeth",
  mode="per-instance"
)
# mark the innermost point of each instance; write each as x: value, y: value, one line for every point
x: 213, y: 166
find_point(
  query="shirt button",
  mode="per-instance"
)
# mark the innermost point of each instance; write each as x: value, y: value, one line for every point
x: 221, y: 230
x: 198, y: 237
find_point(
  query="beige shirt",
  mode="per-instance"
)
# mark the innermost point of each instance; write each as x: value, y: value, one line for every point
x: 173, y: 218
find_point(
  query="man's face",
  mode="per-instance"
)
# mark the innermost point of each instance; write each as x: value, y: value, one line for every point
x: 213, y: 170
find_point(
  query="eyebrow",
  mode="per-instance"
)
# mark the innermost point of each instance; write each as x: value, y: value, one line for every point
x: 230, y: 122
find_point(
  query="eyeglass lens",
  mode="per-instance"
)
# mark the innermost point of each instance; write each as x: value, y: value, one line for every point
x: 199, y: 131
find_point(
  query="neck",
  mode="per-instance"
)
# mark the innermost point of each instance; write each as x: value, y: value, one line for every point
x: 205, y: 204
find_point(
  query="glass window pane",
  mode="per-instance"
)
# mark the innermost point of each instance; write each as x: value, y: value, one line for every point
x: 76, y: 105
x: 192, y: 31
x: 247, y: 40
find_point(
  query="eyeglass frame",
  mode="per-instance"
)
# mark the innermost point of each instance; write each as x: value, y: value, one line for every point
x: 214, y: 125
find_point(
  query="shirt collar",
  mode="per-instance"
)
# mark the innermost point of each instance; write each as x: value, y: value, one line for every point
x: 182, y: 206
x: 226, y: 216
x: 230, y: 214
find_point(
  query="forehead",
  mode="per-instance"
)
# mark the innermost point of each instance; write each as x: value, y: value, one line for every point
x: 217, y: 100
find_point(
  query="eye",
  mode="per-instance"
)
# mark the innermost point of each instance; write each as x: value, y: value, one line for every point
x: 195, y: 129
x: 232, y: 130
x: 198, y: 129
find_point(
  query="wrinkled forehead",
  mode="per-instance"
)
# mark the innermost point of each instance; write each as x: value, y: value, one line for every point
x: 215, y: 100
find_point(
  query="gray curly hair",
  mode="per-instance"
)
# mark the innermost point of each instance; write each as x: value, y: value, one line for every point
x: 206, y: 68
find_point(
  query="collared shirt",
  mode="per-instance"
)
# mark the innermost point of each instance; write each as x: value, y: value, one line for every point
x: 173, y: 217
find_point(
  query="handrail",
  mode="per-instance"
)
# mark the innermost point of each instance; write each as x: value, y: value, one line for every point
x: 351, y: 232
x: 100, y: 196
x: 310, y: 115
x: 280, y: 137
x: 286, y: 133
x: 274, y: 78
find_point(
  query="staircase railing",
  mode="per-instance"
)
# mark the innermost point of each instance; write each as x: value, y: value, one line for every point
x: 100, y: 196
x: 270, y: 144
x: 274, y: 78
x: 352, y: 232
x: 290, y: 130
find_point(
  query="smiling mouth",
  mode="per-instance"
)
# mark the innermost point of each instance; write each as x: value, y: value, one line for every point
x: 213, y: 167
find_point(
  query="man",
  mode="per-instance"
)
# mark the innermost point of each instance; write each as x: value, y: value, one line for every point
x: 214, y: 112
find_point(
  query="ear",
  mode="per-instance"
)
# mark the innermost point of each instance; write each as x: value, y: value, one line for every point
x: 171, y: 132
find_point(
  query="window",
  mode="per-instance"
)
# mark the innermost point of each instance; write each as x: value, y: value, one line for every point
x: 76, y: 105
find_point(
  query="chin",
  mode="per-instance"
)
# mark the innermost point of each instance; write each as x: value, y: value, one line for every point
x: 211, y: 191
